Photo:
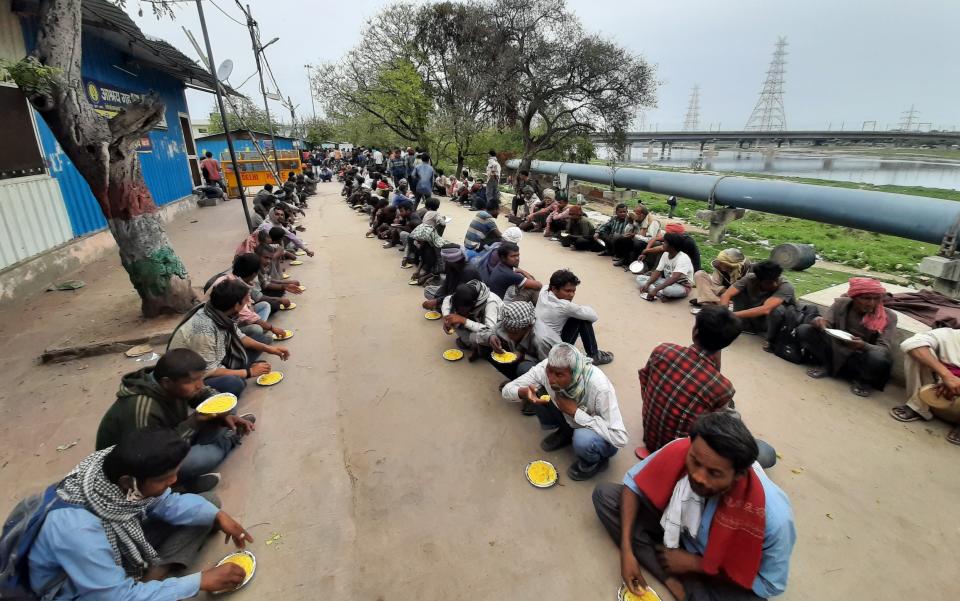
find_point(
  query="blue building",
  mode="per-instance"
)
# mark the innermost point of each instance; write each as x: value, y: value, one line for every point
x: 119, y: 64
x: 243, y: 141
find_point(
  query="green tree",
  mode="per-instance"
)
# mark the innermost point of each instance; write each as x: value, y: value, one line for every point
x: 561, y: 83
x: 104, y: 152
x: 242, y: 113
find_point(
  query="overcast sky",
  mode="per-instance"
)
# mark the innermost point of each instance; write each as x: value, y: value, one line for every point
x: 849, y: 60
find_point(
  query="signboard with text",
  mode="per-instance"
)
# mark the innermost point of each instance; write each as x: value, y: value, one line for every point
x: 108, y: 100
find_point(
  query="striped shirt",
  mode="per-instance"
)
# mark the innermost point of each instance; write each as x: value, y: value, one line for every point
x: 479, y: 231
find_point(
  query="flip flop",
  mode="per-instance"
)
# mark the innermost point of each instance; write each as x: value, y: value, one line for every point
x: 817, y: 372
x: 861, y: 390
x: 900, y: 413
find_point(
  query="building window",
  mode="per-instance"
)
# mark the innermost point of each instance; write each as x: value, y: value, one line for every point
x: 20, y: 155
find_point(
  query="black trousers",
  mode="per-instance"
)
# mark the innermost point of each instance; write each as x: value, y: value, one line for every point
x: 871, y: 366
x: 582, y: 329
x: 628, y: 249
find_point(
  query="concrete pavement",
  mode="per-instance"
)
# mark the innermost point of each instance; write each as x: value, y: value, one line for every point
x: 390, y: 474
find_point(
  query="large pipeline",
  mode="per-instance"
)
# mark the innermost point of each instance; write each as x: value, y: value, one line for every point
x: 914, y: 217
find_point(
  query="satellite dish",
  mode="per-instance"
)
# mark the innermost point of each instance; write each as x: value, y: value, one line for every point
x: 273, y: 96
x: 226, y: 68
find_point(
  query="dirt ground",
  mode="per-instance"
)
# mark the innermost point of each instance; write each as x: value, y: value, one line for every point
x: 382, y: 472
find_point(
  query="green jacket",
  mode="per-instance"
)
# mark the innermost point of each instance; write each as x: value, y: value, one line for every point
x: 142, y: 403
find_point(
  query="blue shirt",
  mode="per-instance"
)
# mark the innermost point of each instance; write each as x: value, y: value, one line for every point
x: 72, y: 540
x: 424, y: 175
x: 778, y: 538
x: 479, y: 230
x: 398, y: 198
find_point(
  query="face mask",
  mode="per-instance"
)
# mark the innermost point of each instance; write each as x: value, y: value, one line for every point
x: 134, y: 495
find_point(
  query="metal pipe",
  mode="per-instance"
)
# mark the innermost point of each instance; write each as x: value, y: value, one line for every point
x: 913, y: 217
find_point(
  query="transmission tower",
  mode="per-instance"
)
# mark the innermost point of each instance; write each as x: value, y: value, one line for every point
x: 908, y: 119
x: 769, y: 114
x: 692, y: 121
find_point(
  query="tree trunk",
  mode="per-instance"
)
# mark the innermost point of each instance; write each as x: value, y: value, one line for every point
x: 459, y: 164
x: 104, y: 152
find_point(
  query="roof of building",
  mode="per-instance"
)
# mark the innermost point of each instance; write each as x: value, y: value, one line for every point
x: 112, y: 23
x: 234, y: 132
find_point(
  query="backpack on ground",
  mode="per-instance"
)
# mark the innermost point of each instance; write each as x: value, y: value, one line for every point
x: 20, y: 531
x: 785, y: 343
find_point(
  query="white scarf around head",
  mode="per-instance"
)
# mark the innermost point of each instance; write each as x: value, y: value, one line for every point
x: 682, y: 513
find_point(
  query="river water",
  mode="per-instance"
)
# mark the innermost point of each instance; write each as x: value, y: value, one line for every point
x: 928, y: 173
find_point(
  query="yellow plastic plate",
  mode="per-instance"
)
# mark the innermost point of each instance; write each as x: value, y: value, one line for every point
x: 649, y: 594
x: 218, y: 404
x: 541, y: 474
x: 286, y: 276
x: 302, y: 288
x: 504, y: 357
x: 453, y: 354
x: 287, y: 334
x: 270, y: 379
x: 289, y: 307
x: 300, y: 253
x: 297, y: 262
x: 432, y: 315
x: 244, y: 559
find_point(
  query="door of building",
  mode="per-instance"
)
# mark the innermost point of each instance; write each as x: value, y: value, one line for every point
x: 191, y: 147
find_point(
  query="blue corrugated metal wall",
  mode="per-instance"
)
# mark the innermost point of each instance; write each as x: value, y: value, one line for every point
x: 219, y: 146
x: 165, y: 169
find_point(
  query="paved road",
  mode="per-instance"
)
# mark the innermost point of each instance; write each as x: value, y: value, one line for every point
x: 393, y: 475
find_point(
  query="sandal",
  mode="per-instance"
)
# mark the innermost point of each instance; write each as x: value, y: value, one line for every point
x: 953, y: 437
x: 862, y: 390
x: 817, y: 372
x: 767, y: 347
x: 904, y: 413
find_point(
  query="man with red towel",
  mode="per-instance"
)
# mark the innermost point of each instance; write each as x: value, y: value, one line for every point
x: 702, y: 517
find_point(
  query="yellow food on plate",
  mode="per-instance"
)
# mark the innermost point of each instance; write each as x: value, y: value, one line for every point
x: 648, y: 595
x: 453, y: 354
x: 300, y: 253
x: 545, y: 397
x: 289, y: 307
x: 432, y: 315
x: 217, y: 404
x: 302, y: 288
x: 504, y: 357
x: 286, y: 334
x: 286, y: 276
x: 297, y: 262
x: 541, y: 473
x: 270, y: 379
x: 241, y: 559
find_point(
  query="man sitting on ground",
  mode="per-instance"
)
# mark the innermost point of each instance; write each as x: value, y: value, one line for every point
x: 273, y: 290
x: 537, y: 218
x: 165, y: 396
x: 252, y: 319
x: 210, y: 331
x: 115, y: 516
x: 401, y: 194
x: 278, y: 219
x: 673, y: 276
x: 642, y: 228
x: 610, y: 232
x: 867, y: 358
x: 556, y: 309
x: 728, y: 267
x: 471, y: 312
x: 519, y: 332
x: 932, y: 358
x: 582, y: 407
x: 482, y: 231
x: 265, y: 198
x: 680, y: 383
x: 759, y: 298
x: 702, y: 517
x: 580, y: 233
x: 507, y: 280
x: 457, y: 270
x: 407, y: 219
x: 326, y: 175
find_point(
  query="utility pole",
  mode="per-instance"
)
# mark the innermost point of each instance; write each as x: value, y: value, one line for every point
x: 223, y: 116
x: 313, y: 104
x: 293, y: 118
x: 909, y: 118
x: 257, y: 49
